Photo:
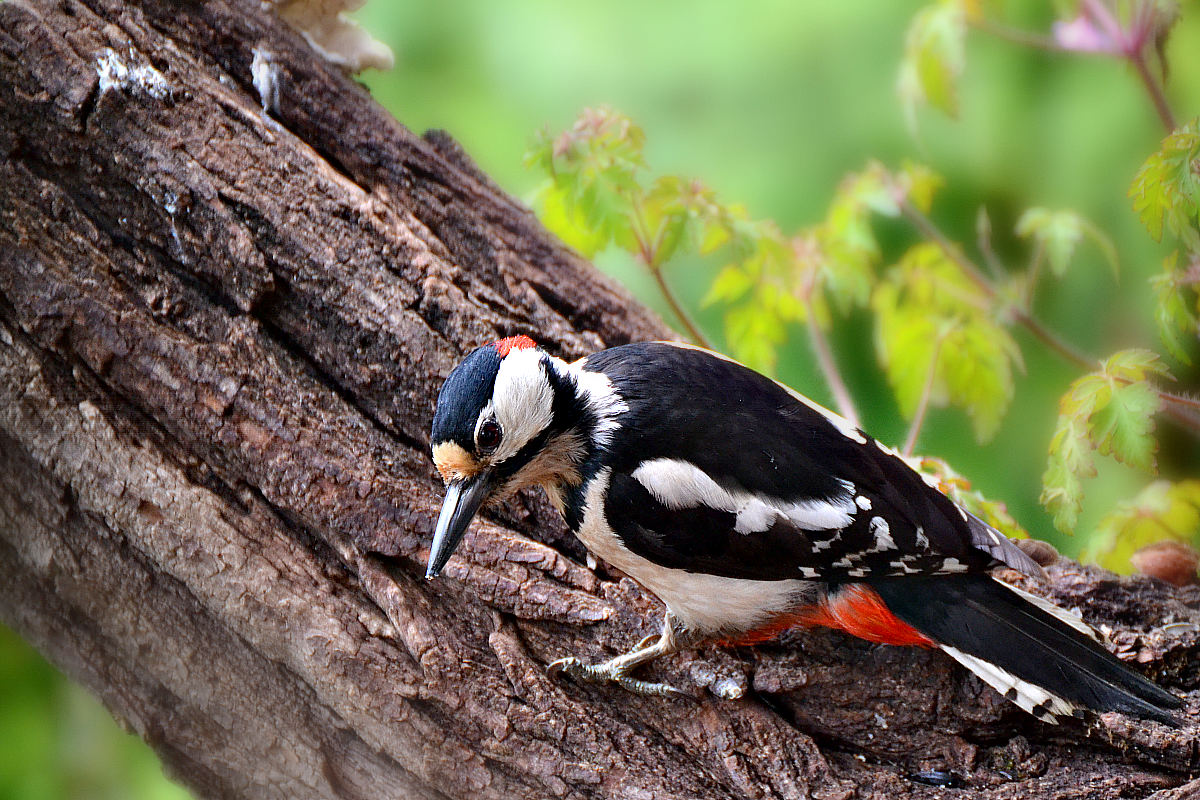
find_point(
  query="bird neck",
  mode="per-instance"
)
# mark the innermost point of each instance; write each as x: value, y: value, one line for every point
x: 587, y: 403
x: 585, y: 407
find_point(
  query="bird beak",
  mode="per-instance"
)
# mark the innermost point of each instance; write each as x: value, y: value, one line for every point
x: 463, y: 499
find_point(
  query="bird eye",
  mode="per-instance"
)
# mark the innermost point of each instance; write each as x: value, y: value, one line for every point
x: 489, y: 435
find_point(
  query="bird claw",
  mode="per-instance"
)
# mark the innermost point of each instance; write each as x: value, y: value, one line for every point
x: 610, y: 673
x: 645, y: 642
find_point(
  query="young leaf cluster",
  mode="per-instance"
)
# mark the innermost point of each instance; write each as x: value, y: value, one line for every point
x: 934, y: 59
x: 1111, y: 412
x: 1057, y: 234
x: 939, y: 339
x: 1166, y: 195
x: 597, y: 193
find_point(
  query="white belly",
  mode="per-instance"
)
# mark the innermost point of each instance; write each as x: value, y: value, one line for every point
x: 707, y: 604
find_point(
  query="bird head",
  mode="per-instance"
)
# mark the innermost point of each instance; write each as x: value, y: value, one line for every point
x: 502, y: 423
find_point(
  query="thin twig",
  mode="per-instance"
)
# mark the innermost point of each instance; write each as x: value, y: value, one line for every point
x: 825, y: 359
x: 1154, y: 88
x: 1128, y: 45
x: 1018, y: 36
x: 1180, y: 400
x: 1047, y: 337
x: 1132, y: 46
x: 841, y: 395
x: 669, y: 295
x: 930, y: 231
x: 983, y: 237
x: 914, y: 430
x: 649, y: 257
x: 925, y: 226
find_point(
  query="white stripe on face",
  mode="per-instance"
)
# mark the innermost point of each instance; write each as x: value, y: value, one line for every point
x: 522, y: 401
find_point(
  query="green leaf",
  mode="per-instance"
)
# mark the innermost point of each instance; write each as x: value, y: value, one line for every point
x: 730, y: 285
x: 715, y: 235
x: 929, y: 316
x: 568, y: 224
x: 976, y: 365
x: 1069, y: 462
x: 593, y: 169
x: 845, y: 240
x: 872, y: 189
x: 906, y: 341
x: 1123, y: 426
x: 754, y: 337
x: 934, y: 59
x: 1166, y: 190
x: 1059, y: 233
x: 1161, y: 511
x: 1110, y: 411
x: 1135, y: 364
x: 919, y: 184
x: 1173, y: 313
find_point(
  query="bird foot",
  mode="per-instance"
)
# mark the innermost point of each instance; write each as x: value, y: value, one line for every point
x: 613, y: 671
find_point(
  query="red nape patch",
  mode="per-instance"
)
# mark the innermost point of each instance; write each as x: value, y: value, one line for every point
x: 856, y: 609
x: 505, y: 346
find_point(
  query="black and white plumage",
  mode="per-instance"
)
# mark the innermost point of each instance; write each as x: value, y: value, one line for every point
x: 746, y: 508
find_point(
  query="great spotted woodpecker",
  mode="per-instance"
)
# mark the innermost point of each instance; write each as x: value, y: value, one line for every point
x: 747, y: 509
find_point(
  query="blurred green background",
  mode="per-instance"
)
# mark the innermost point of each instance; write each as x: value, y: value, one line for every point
x: 771, y: 103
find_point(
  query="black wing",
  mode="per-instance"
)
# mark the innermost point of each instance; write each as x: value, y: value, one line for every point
x: 703, y: 434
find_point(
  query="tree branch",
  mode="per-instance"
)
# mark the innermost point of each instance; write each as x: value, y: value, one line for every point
x: 221, y: 337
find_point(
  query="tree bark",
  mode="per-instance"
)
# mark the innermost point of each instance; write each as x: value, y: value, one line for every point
x: 222, y: 331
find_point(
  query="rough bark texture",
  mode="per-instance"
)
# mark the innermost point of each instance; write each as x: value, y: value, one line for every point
x: 221, y: 337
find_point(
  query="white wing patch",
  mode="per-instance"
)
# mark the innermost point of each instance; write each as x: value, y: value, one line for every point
x: 882, y: 534
x: 1031, y: 697
x: 680, y: 484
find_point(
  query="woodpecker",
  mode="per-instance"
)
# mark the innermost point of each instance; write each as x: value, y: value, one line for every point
x: 748, y: 509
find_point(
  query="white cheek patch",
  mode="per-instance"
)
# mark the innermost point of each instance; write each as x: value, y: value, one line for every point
x: 522, y: 401
x: 680, y: 484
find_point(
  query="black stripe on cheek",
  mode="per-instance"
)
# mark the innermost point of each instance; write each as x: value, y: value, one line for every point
x: 506, y: 469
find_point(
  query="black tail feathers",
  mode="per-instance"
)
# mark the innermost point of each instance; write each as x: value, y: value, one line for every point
x: 1039, y: 656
